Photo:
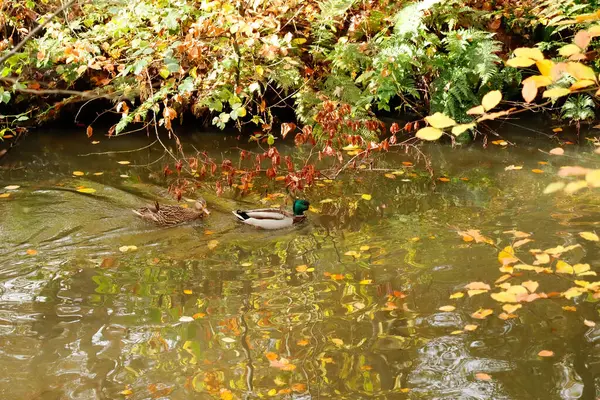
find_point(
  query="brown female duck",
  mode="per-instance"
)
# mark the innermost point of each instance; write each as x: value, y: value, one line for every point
x: 172, y: 215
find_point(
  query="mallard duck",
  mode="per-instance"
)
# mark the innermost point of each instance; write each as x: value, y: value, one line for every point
x: 274, y: 218
x: 172, y: 215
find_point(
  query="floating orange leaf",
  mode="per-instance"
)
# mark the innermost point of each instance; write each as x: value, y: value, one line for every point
x: 31, y: 252
x: 482, y: 376
x: 546, y: 353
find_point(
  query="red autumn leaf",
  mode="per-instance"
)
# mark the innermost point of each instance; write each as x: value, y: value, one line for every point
x: 287, y: 128
x: 89, y: 131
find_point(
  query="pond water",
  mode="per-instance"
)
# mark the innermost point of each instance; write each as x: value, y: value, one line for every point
x: 345, y: 306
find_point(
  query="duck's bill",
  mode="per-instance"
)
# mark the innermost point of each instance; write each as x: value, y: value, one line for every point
x: 205, y: 211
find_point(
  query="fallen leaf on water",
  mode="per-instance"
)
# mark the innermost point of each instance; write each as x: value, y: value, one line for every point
x: 299, y: 387
x: 95, y: 142
x: 302, y: 268
x: 226, y: 394
x: 365, y: 282
x: 199, y: 315
x: 364, y: 248
x: 98, y: 173
x: 570, y: 308
x: 470, y: 328
x: 477, y: 286
x: 78, y: 173
x: 444, y: 179
x: 513, y: 168
x: 4, y: 195
x: 124, y: 162
x: 337, y: 342
x: 589, y: 323
x: 521, y: 242
x: 302, y: 342
x: 589, y: 236
x: 530, y: 285
x: 474, y: 234
x: 352, y: 253
x: 125, y: 249
x: 505, y: 316
x: 447, y: 308
x: 546, y: 353
x: 326, y: 201
x: 187, y: 291
x: 212, y: 244
x: 228, y: 340
x: 511, y: 308
x: 124, y: 176
x: 537, y: 171
x: 482, y: 376
x: 390, y: 176
x: 558, y: 151
x: 554, y: 187
x: 366, y: 197
x: 31, y: 252
x: 271, y: 356
x: 557, y: 130
x: 12, y: 187
x: 126, y: 392
x: 457, y: 295
x: 500, y: 142
x: 507, y: 256
x: 543, y: 162
x: 482, y: 313
x: 503, y: 278
x: 185, y: 318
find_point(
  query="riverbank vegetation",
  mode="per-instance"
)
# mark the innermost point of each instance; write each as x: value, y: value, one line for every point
x: 325, y: 72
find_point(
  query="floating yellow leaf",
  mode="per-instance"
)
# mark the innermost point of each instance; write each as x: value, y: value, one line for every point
x: 478, y: 110
x: 459, y: 129
x: 440, y: 121
x: 95, y: 142
x: 527, y: 52
x: 366, y: 197
x: 78, y: 173
x: 556, y: 93
x: 503, y: 278
x: 429, y: 133
x: 593, y: 178
x: 504, y: 297
x: 511, y: 308
x: 86, y: 190
x: 457, y: 295
x: 31, y: 252
x: 124, y: 162
x: 352, y: 253
x: 513, y: 168
x: 366, y: 282
x: 390, y: 176
x: 573, y: 187
x: 126, y: 392
x: 12, y: 187
x: 519, y: 62
x: 582, y: 269
x: 125, y: 249
x: 541, y: 258
x: 4, y: 195
x: 302, y: 268
x: 530, y: 285
x: 482, y: 313
x: 570, y: 308
x: 187, y: 291
x: 212, y: 244
x: 589, y: 323
x: 475, y: 292
x: 563, y: 268
x: 364, y: 248
x: 337, y: 342
x: 546, y: 353
x: 537, y: 171
x: 491, y: 99
x: 573, y: 292
x: 470, y: 328
x: 98, y: 173
x: 507, y: 255
x: 521, y: 242
x: 447, y: 308
x: 324, y: 201
x: 589, y: 236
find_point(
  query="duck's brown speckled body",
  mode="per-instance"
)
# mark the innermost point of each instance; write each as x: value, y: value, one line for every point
x: 172, y: 215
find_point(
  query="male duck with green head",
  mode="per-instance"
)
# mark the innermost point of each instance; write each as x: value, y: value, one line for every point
x: 274, y: 218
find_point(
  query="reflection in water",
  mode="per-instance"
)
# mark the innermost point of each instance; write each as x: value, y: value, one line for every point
x: 345, y: 306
